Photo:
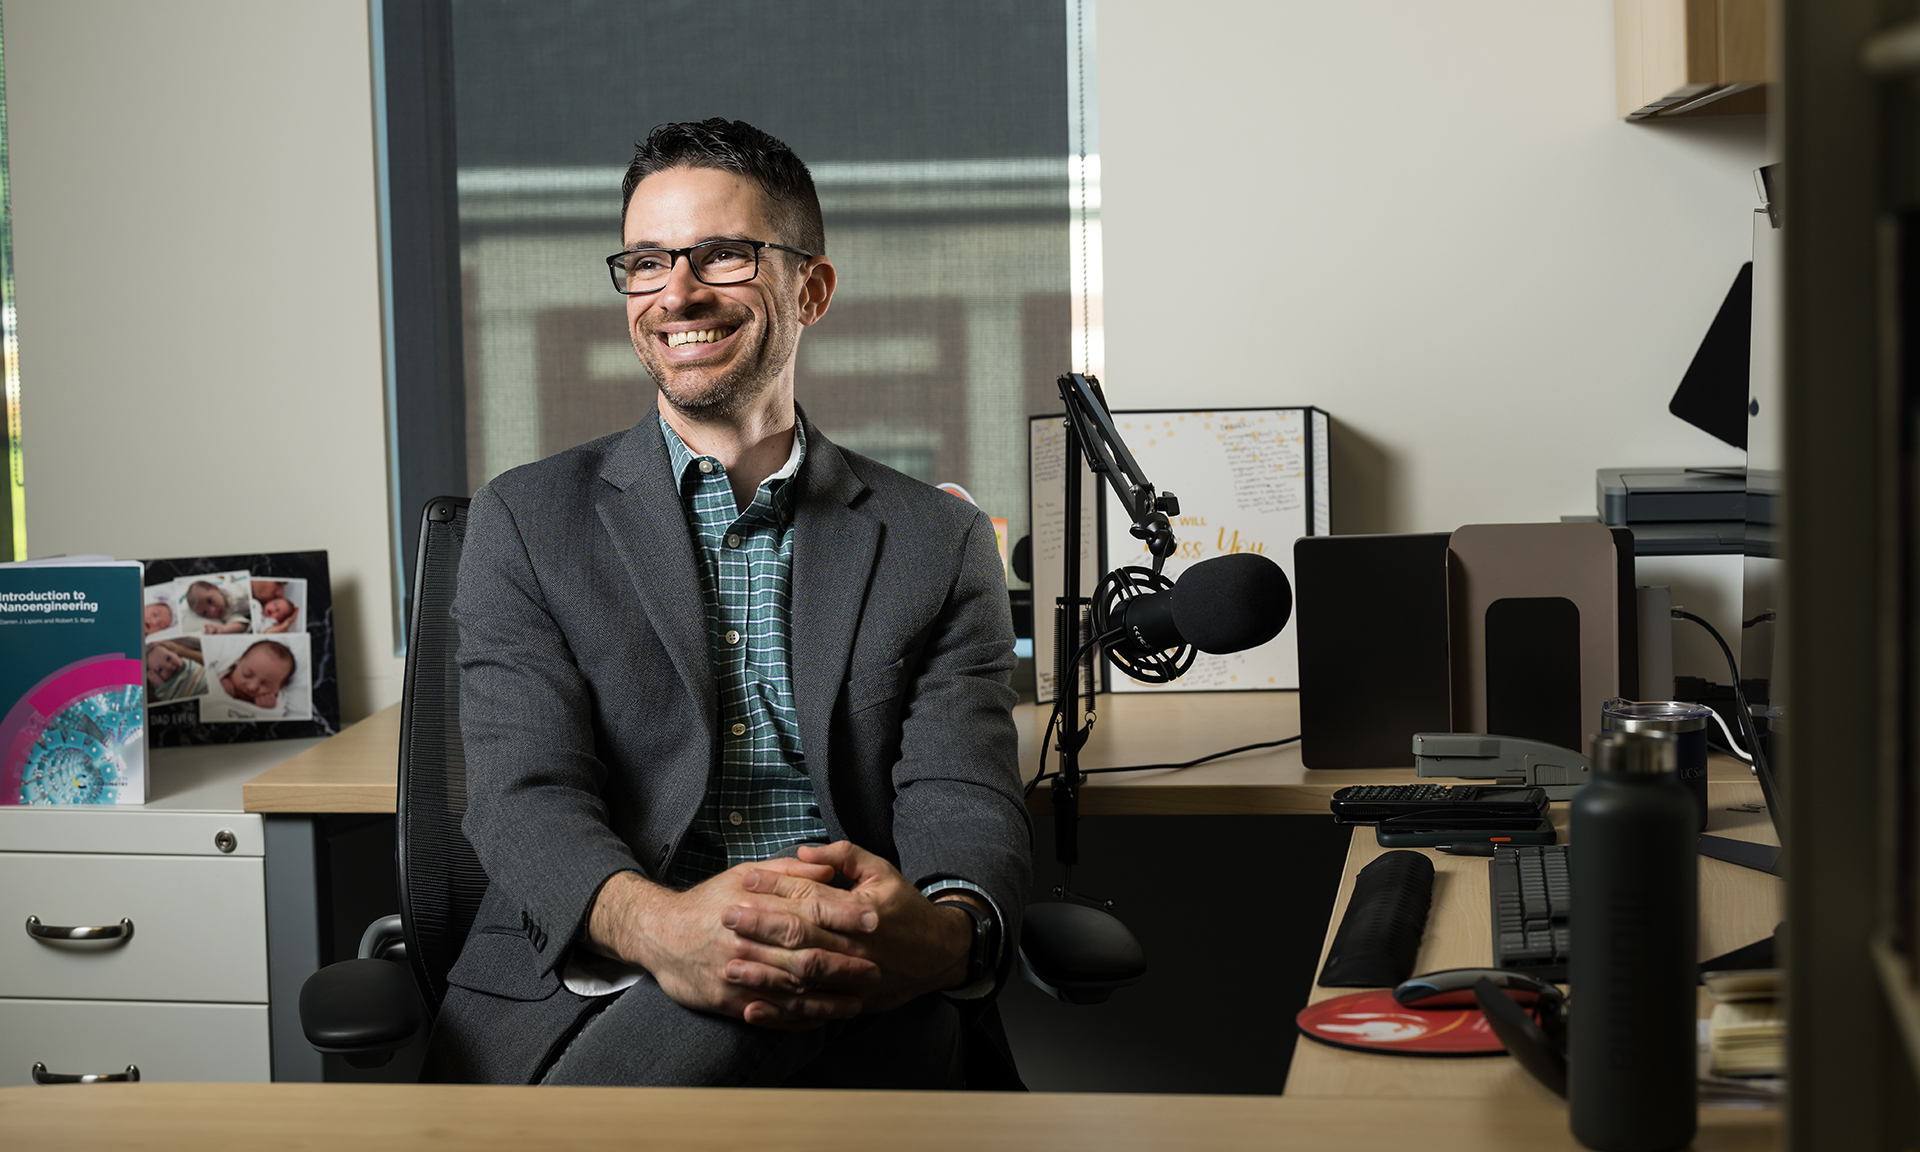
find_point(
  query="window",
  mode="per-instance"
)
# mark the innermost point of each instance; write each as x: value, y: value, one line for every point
x: 943, y: 137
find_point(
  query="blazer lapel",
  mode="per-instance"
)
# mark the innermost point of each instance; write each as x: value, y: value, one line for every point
x: 643, y: 515
x: 834, y: 551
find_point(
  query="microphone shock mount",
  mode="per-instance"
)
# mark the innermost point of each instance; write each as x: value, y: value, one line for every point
x: 1115, y: 590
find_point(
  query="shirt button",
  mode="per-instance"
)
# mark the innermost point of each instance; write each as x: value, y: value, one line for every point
x: 739, y: 729
x: 733, y: 540
x: 735, y: 819
x: 732, y: 636
x: 706, y: 467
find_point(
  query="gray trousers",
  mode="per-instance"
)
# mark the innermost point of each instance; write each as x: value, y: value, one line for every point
x: 641, y: 1038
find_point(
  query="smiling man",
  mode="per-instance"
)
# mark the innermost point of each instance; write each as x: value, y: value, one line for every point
x: 741, y: 761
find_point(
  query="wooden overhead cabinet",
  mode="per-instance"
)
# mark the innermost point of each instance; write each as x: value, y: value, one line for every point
x: 1683, y: 58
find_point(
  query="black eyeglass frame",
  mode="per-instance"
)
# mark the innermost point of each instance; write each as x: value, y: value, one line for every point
x: 674, y: 254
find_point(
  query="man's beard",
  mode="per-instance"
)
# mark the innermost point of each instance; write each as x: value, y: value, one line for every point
x: 726, y: 396
x: 734, y: 390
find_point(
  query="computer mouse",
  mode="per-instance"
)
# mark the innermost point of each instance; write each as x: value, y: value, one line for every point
x: 1453, y: 988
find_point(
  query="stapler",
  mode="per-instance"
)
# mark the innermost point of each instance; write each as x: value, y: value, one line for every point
x: 1509, y: 759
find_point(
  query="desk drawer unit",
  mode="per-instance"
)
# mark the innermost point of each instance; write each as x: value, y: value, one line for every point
x: 164, y: 1041
x: 182, y: 995
x: 197, y: 924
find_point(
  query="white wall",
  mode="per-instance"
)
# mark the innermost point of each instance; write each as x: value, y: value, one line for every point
x: 1441, y: 234
x: 1426, y: 219
x: 197, y: 273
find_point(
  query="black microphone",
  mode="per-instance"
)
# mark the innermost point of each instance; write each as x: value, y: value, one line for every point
x: 1226, y: 604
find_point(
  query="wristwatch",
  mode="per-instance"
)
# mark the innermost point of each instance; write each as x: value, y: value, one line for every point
x: 983, y: 951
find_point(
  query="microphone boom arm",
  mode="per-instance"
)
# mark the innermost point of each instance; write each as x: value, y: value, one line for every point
x: 1107, y: 455
x: 1090, y: 428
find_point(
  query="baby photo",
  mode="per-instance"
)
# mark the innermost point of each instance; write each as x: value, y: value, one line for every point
x: 176, y: 671
x: 258, y: 678
x: 215, y: 604
x: 159, y: 614
x: 279, y: 605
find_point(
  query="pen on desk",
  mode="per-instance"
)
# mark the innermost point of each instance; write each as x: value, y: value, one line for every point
x: 1483, y: 848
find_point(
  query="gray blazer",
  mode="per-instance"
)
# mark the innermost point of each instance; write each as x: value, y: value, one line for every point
x: 588, y: 705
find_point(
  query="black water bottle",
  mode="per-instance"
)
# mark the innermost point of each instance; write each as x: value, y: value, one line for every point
x: 1631, y: 1070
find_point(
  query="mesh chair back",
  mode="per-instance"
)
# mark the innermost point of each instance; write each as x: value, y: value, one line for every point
x: 441, y: 881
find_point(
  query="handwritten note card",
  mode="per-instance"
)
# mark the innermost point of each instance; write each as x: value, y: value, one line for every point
x: 1248, y: 480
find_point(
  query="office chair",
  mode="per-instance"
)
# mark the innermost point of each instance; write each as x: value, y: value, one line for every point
x: 368, y: 1008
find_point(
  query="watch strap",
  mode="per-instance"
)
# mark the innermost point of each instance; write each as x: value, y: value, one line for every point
x: 982, y: 948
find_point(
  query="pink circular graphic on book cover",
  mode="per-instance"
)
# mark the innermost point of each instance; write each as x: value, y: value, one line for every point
x: 77, y: 736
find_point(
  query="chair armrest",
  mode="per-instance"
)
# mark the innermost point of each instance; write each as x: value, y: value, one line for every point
x: 362, y: 1009
x: 385, y: 939
x: 1078, y: 954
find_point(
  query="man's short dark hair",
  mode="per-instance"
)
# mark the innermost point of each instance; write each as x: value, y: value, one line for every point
x: 738, y: 147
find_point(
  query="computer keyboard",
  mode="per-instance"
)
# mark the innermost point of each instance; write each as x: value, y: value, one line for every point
x: 1531, y: 890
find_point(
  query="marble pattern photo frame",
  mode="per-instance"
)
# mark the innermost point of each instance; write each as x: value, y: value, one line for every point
x: 312, y: 706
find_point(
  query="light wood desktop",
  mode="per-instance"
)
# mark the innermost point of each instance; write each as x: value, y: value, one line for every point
x: 1174, y: 727
x: 1737, y: 907
x: 355, y: 771
x: 375, y: 1117
x: 1332, y: 1096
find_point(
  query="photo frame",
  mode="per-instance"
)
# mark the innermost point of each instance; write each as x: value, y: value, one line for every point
x: 312, y: 693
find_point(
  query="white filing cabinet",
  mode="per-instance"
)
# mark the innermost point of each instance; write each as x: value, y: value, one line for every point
x: 178, y: 986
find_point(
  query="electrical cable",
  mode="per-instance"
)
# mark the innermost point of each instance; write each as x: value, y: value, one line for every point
x: 1733, y: 745
x: 1195, y: 762
x: 1159, y: 767
x: 1053, y: 719
x: 1747, y: 729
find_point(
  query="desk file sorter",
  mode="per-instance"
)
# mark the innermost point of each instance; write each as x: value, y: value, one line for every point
x: 1372, y: 622
x: 1248, y: 480
x: 1514, y: 629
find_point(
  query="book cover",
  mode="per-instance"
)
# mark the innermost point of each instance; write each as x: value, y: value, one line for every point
x: 72, y: 696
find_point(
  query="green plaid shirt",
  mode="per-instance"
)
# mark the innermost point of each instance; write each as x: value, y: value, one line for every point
x: 762, y: 799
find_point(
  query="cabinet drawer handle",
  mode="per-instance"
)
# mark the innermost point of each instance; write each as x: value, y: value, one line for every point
x: 121, y: 932
x: 42, y: 1076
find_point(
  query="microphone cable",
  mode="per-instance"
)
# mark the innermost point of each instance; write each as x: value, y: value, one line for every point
x: 1059, y: 701
x: 1193, y: 763
x: 1053, y: 722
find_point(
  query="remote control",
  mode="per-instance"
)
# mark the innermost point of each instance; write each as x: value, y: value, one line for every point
x: 1472, y: 803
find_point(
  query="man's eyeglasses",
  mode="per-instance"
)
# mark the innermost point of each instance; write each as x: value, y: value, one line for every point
x: 643, y: 271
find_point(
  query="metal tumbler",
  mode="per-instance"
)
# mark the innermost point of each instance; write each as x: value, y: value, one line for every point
x: 1686, y: 723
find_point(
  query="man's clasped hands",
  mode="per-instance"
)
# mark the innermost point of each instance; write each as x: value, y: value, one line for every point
x: 777, y: 944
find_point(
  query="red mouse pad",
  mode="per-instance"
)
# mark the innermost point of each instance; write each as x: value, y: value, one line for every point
x: 1376, y: 1022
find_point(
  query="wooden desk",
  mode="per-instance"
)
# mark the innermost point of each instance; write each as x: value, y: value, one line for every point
x: 1358, y: 1100
x: 325, y: 1117
x: 1737, y: 906
x: 356, y: 770
x: 1171, y: 728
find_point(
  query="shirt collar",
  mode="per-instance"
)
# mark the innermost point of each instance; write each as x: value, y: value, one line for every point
x: 686, y: 463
